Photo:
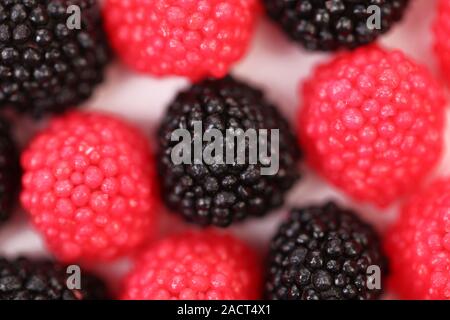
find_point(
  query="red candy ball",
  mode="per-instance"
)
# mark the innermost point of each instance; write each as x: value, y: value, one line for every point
x: 372, y: 123
x: 191, y: 38
x: 441, y: 30
x: 195, y: 266
x: 418, y: 245
x: 88, y: 185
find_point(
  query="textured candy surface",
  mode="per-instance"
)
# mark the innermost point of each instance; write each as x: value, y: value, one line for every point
x: 330, y: 25
x: 48, y: 62
x: 24, y: 279
x: 223, y: 193
x: 202, y: 265
x: 372, y: 123
x: 324, y: 253
x: 188, y: 38
x: 88, y: 185
x: 441, y: 30
x: 418, y: 245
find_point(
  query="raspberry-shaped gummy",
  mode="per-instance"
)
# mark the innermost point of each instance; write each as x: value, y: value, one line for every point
x: 223, y: 192
x: 372, y: 123
x: 441, y: 30
x: 52, y: 53
x: 202, y: 265
x: 24, y: 279
x: 335, y: 24
x: 418, y: 245
x: 324, y: 253
x: 9, y: 171
x: 191, y: 38
x: 88, y: 185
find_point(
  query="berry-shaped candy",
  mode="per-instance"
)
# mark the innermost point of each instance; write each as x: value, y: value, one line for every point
x: 418, y: 245
x: 24, y: 279
x: 235, y: 185
x: 204, y: 265
x: 52, y: 53
x: 372, y: 123
x: 441, y: 39
x: 9, y: 171
x: 190, y: 38
x: 333, y: 24
x: 325, y: 253
x: 88, y: 185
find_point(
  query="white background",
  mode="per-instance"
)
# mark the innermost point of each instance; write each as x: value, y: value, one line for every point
x: 274, y: 64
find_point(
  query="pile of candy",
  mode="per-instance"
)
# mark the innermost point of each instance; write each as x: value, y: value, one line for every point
x: 371, y: 123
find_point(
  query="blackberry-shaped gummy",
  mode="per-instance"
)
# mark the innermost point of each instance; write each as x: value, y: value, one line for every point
x: 323, y: 253
x: 47, y: 63
x: 23, y: 279
x: 212, y: 193
x: 332, y: 24
x: 9, y: 171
